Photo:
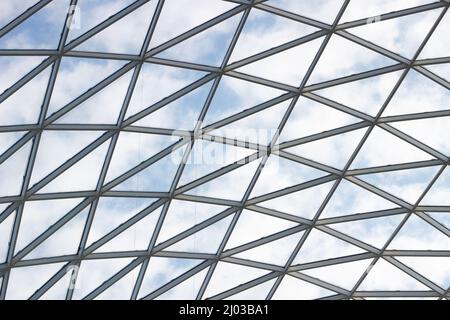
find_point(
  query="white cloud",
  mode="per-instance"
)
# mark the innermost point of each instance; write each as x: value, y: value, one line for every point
x: 370, y: 8
x: 11, y: 9
x: 322, y: 10
x: 341, y: 58
x: 295, y: 289
x: 384, y: 276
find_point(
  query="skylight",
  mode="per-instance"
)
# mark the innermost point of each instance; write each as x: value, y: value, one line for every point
x: 224, y: 149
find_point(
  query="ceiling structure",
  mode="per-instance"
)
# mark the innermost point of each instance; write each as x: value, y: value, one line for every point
x: 186, y: 149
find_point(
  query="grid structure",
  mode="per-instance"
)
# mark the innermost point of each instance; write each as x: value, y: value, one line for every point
x: 265, y: 280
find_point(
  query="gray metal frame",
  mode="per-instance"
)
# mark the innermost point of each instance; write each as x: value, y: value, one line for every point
x: 292, y: 93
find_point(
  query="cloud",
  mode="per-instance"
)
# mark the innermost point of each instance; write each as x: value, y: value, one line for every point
x: 40, y: 31
x: 186, y: 16
x: 295, y: 289
x: 228, y: 275
x: 322, y: 10
x: 125, y: 36
x: 263, y: 31
x: 370, y: 8
x: 11, y: 9
x: 23, y: 282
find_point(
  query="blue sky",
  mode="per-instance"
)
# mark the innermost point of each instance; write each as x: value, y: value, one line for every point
x: 156, y: 81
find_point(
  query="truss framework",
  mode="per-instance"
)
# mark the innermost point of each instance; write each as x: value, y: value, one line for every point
x: 141, y: 258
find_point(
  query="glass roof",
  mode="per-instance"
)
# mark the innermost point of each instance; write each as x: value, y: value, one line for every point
x: 224, y: 149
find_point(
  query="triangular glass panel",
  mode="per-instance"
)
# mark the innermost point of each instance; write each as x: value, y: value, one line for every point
x: 372, y: 8
x: 91, y: 13
x: 64, y: 241
x: 414, y: 28
x: 374, y: 231
x: 418, y: 94
x: 103, y: 107
x: 276, y: 252
x: 310, y: 117
x: 78, y: 75
x: 280, y: 173
x: 123, y: 36
x: 136, y: 237
x: 349, y: 199
x: 436, y: 138
x: 234, y: 95
x: 334, y: 151
x: 160, y: 271
x: 433, y: 268
x: 322, y: 10
x: 405, y: 184
x: 68, y: 144
x: 168, y: 80
x: 263, y: 31
x: 83, y: 175
x: 439, y: 42
x: 134, y: 148
x: 206, y: 240
x: 385, y: 276
x: 285, y: 67
x: 330, y: 247
x: 19, y: 108
x: 438, y: 194
x: 122, y: 289
x: 344, y: 275
x: 228, y: 275
x: 157, y: 177
x: 207, y: 47
x: 12, y: 171
x: 183, y: 215
x: 181, y: 114
x: 111, y: 212
x: 41, y: 30
x: 93, y: 273
x: 59, y: 290
x: 304, y: 203
x: 187, y: 16
x: 292, y: 288
x: 24, y: 281
x: 8, y: 139
x: 186, y: 290
x: 441, y: 217
x: 367, y: 95
x: 14, y: 68
x: 207, y: 157
x: 226, y: 186
x: 382, y: 148
x: 13, y: 9
x: 343, y: 58
x: 38, y: 216
x: 442, y: 70
x: 259, y: 128
x: 259, y: 292
x: 417, y: 234
x: 246, y: 230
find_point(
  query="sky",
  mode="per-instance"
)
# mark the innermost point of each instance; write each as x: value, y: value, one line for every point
x: 324, y: 127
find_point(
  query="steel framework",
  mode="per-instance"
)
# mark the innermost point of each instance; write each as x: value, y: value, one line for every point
x: 275, y: 273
